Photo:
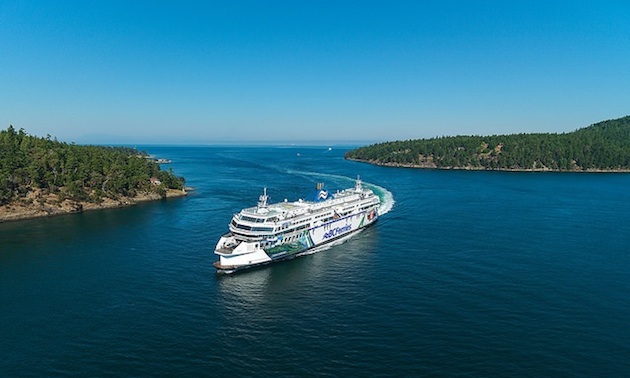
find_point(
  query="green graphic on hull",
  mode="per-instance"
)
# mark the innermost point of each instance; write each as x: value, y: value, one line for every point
x: 287, y: 249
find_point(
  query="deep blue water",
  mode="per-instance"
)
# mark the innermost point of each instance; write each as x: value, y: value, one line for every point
x: 469, y: 274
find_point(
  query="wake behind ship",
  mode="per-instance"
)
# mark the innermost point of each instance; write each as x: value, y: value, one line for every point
x: 272, y: 232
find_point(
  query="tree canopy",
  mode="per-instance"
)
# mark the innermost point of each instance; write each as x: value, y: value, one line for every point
x: 601, y: 146
x: 82, y: 173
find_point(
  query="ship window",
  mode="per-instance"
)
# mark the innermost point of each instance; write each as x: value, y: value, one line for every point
x: 243, y: 227
x: 249, y: 228
x: 263, y: 229
x: 252, y: 219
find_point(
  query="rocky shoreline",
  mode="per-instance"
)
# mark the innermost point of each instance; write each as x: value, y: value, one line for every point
x: 36, y: 205
x: 479, y: 168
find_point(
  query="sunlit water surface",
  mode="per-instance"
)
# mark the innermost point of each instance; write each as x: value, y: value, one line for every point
x: 466, y: 273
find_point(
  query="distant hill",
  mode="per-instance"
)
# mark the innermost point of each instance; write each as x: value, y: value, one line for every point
x: 604, y: 146
x: 40, y: 176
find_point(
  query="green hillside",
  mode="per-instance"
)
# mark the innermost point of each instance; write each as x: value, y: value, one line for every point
x: 80, y: 173
x: 602, y: 146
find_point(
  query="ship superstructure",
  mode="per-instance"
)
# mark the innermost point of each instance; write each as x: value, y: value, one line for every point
x: 270, y: 232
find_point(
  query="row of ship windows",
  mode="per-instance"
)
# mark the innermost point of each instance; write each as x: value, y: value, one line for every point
x: 322, y: 215
x: 364, y: 207
x: 285, y: 240
x: 345, y: 209
x: 257, y: 220
x: 250, y: 228
x: 266, y: 229
x: 291, y: 238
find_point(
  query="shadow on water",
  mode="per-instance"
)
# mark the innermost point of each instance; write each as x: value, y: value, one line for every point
x: 60, y: 232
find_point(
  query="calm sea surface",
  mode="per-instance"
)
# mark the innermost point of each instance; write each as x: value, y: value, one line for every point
x: 466, y: 274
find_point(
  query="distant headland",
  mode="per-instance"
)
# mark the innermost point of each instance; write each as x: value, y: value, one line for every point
x: 601, y: 147
x: 41, y: 177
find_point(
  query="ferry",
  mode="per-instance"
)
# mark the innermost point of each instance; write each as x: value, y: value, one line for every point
x: 267, y: 233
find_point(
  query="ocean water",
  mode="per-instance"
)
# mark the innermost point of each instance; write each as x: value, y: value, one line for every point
x: 470, y: 274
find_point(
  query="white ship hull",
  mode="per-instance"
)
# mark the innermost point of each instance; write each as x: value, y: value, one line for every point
x: 259, y: 237
x: 249, y: 254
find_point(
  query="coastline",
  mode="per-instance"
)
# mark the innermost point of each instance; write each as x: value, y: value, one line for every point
x: 472, y: 168
x: 50, y: 206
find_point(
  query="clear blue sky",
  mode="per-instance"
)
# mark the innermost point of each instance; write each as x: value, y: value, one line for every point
x: 298, y: 71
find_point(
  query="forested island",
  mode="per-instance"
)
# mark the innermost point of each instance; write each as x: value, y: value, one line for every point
x: 601, y: 147
x: 42, y: 176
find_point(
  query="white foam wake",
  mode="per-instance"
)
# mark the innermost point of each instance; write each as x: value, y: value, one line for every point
x: 387, y: 198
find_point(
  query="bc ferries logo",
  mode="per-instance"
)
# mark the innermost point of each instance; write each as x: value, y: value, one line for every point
x: 337, y: 231
x: 322, y: 195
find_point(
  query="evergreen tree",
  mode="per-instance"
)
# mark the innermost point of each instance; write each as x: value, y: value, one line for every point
x: 74, y: 171
x: 602, y: 146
